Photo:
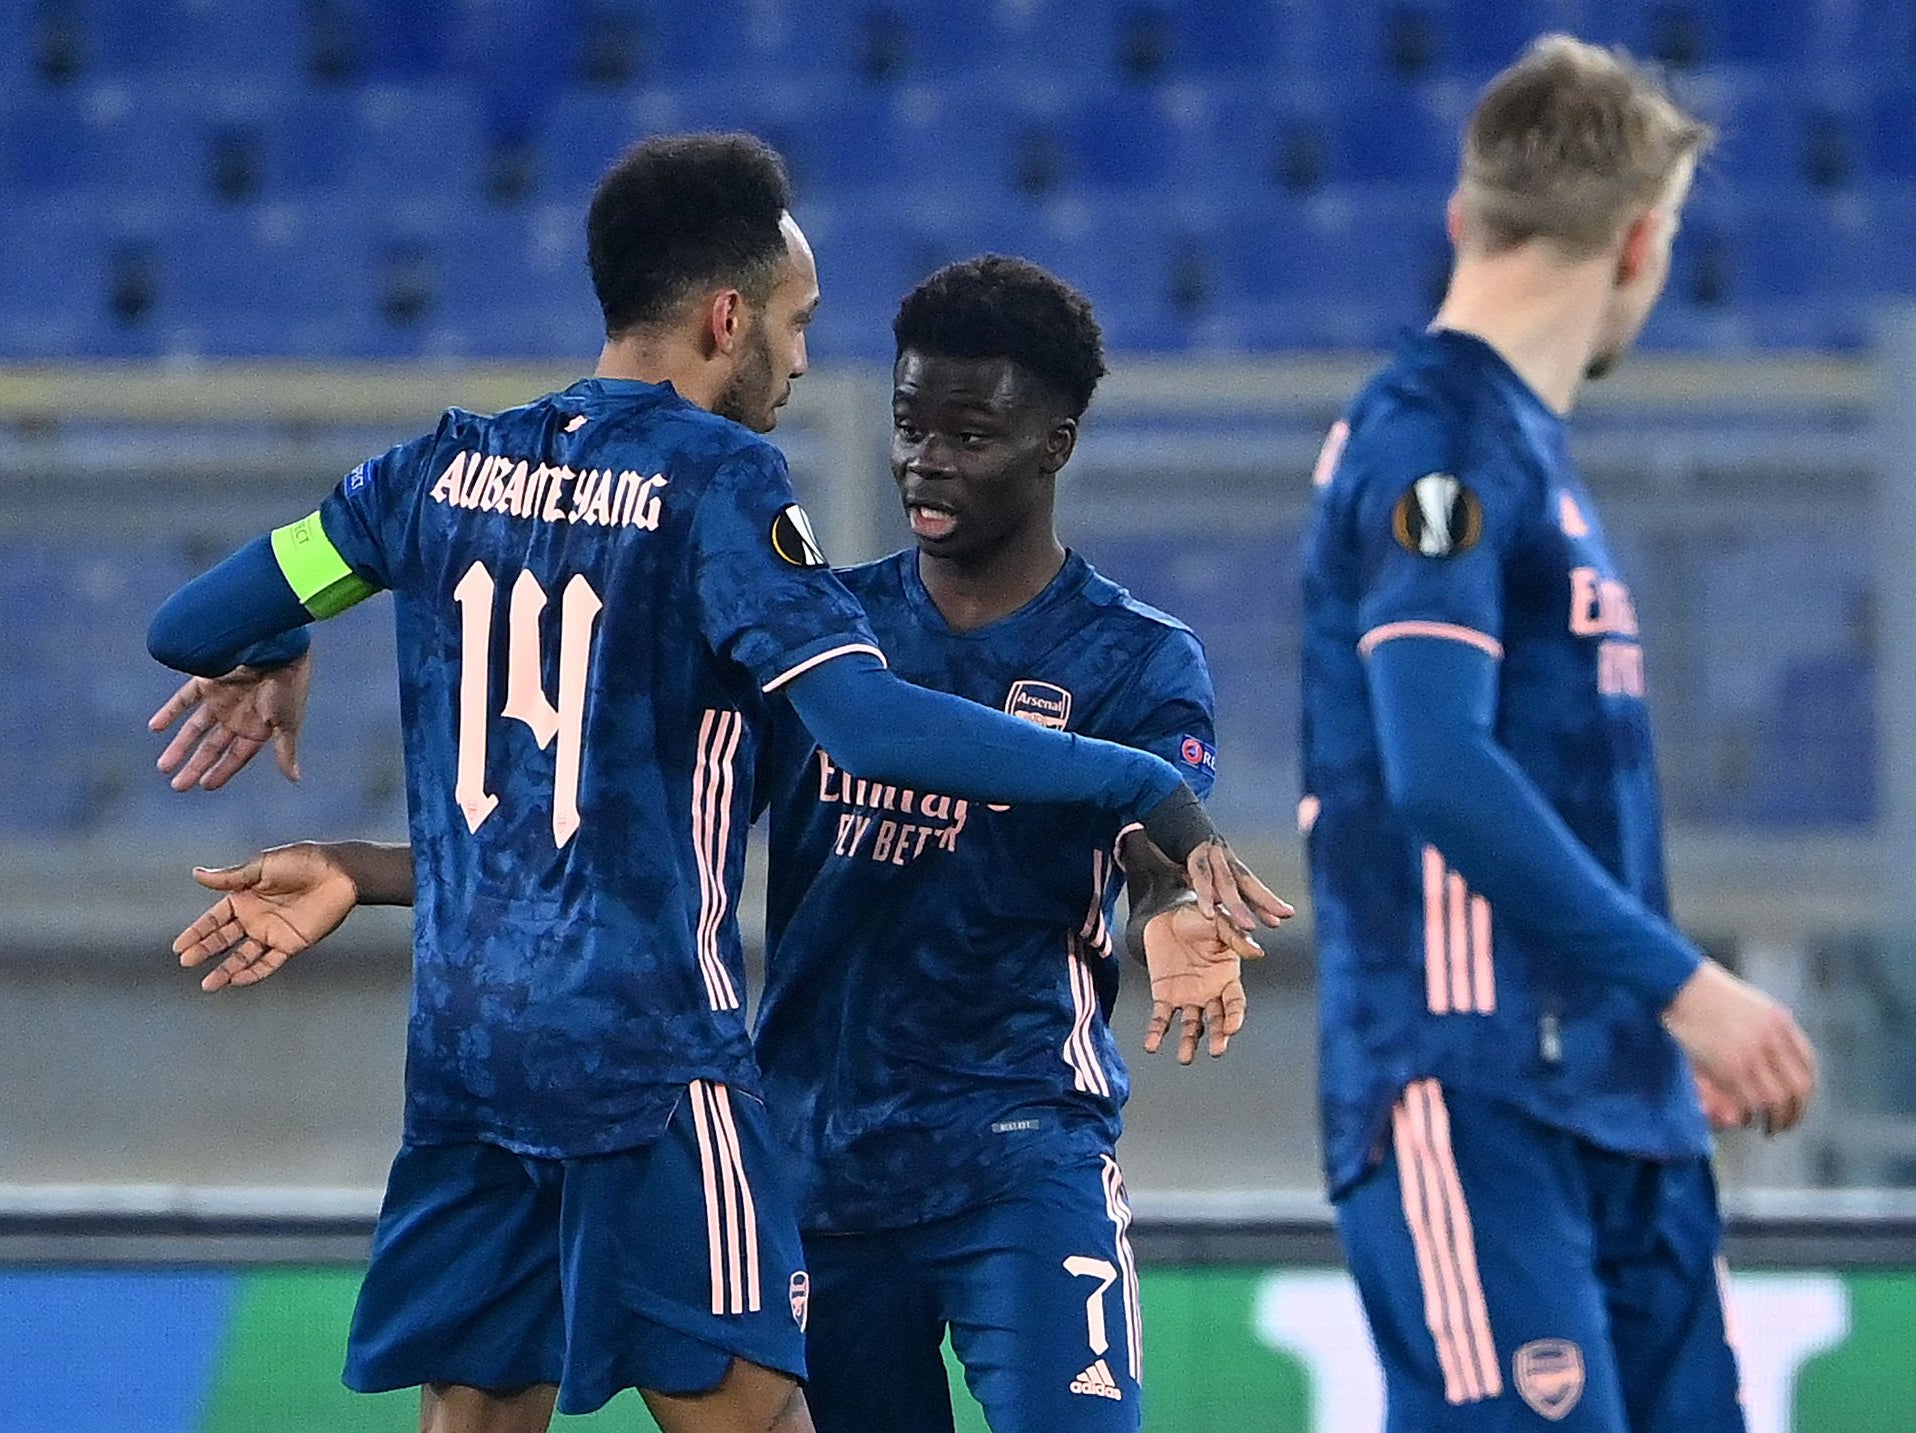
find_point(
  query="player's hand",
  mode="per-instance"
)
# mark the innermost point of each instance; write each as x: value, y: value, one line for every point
x: 232, y: 718
x: 1746, y: 1045
x: 1194, y: 963
x: 1226, y: 889
x: 276, y: 905
x: 1718, y: 1108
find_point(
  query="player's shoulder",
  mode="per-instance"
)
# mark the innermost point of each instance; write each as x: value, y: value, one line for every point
x: 879, y: 579
x: 1437, y: 406
x: 1114, y: 610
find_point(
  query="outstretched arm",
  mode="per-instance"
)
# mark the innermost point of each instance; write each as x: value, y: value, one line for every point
x: 287, y: 900
x: 891, y: 731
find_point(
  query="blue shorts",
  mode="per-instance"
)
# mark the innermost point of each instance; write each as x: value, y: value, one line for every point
x: 1516, y: 1277
x: 1039, y: 1291
x: 649, y: 1268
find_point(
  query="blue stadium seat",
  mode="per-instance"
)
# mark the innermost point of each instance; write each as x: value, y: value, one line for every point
x: 406, y: 41
x: 1892, y: 257
x: 18, y: 48
x: 1353, y: 267
x: 1693, y: 33
x: 1366, y: 43
x: 1891, y: 131
x: 1154, y: 41
x: 1808, y: 132
x: 1776, y: 266
x: 50, y: 143
x: 1300, y: 137
x: 517, y: 286
x: 418, y: 141
x: 1389, y: 134
x: 1135, y: 138
x: 53, y: 283
x: 251, y: 41
x: 282, y: 278
x: 582, y: 132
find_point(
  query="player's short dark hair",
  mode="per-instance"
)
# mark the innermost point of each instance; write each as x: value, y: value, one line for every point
x: 999, y: 307
x: 682, y: 212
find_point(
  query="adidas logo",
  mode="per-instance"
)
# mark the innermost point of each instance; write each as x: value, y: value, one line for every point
x: 1097, y: 1381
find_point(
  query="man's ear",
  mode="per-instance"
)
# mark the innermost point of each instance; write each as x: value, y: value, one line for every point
x: 1059, y: 444
x: 725, y: 320
x: 1638, y: 240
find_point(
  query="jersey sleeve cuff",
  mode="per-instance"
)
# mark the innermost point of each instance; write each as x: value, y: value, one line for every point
x: 1447, y: 631
x: 843, y: 649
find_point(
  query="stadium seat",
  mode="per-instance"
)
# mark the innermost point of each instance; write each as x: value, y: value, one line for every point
x: 1797, y: 267
x: 1810, y: 132
x: 52, y: 285
x: 254, y: 41
x: 516, y: 286
x: 1352, y: 267
x: 418, y: 142
x: 1391, y: 134
x: 1891, y: 149
x: 283, y: 278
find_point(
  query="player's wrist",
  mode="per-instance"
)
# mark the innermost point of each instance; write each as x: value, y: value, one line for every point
x: 1178, y: 824
x: 380, y: 875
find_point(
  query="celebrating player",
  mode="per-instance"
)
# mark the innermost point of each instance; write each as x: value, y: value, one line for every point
x: 933, y: 1040
x: 586, y: 1198
x: 1514, y: 1140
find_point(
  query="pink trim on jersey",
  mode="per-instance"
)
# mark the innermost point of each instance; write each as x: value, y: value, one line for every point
x: 1117, y: 1205
x: 1456, y: 897
x: 1080, y: 1050
x: 805, y: 666
x: 714, y: 1211
x: 1326, y: 466
x: 731, y: 1215
x: 1459, y: 972
x: 1094, y: 931
x: 1450, y: 631
x: 1445, y: 1245
x: 718, y: 744
x: 1483, y: 976
x: 1308, y: 810
x: 727, y: 1128
x: 1436, y: 947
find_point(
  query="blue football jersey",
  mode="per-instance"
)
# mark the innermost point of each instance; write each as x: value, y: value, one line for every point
x: 593, y: 595
x: 1453, y: 510
x: 939, y: 973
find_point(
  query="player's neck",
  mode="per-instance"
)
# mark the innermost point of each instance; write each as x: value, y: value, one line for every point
x: 1543, y: 318
x: 975, y: 592
x: 663, y: 359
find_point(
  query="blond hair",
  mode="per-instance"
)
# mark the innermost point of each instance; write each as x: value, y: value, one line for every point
x: 1569, y: 144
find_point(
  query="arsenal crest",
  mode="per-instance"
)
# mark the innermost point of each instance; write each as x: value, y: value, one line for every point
x: 801, y: 1298
x: 1040, y: 702
x: 1550, y: 1376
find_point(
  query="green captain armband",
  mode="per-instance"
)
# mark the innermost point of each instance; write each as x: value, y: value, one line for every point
x: 314, y: 569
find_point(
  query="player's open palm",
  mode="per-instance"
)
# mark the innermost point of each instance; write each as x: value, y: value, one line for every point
x: 1749, y: 1052
x: 275, y: 906
x: 230, y: 719
x: 1195, y: 962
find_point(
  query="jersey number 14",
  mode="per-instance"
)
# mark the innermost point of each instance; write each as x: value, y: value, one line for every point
x: 579, y: 608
